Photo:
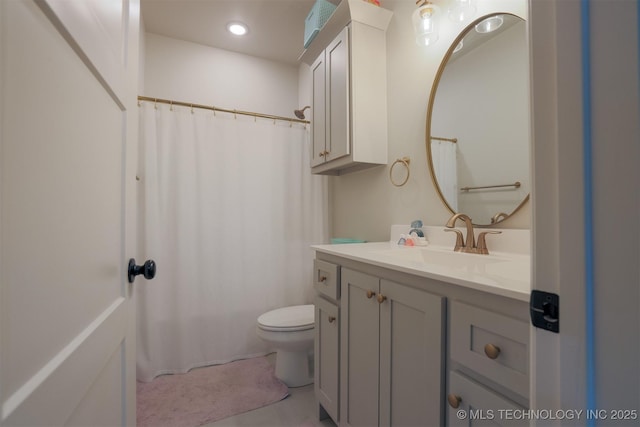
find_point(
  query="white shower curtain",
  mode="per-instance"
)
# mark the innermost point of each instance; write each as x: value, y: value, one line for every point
x: 443, y: 155
x: 228, y: 211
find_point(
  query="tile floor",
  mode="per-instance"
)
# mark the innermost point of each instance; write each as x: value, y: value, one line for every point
x: 297, y: 410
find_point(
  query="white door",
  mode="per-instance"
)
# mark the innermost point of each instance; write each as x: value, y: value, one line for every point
x: 587, y: 253
x: 68, y: 82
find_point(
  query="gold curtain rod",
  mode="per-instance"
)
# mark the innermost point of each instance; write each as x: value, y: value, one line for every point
x: 437, y: 138
x: 224, y: 110
x: 515, y: 184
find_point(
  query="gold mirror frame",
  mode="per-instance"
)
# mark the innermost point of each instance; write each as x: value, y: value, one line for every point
x: 432, y: 97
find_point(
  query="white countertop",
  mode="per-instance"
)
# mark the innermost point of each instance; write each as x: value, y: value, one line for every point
x: 500, y: 273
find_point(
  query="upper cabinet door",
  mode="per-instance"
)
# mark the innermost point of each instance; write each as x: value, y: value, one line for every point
x: 338, y: 99
x: 318, y: 111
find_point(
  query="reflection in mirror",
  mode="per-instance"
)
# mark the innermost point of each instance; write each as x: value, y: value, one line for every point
x: 478, y: 119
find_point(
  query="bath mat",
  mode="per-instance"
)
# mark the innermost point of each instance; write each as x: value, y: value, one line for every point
x: 205, y: 395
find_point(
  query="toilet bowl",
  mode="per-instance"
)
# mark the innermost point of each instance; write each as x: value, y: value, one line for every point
x: 289, y: 331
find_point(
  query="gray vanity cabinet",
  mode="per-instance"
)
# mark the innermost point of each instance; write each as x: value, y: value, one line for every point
x: 392, y: 357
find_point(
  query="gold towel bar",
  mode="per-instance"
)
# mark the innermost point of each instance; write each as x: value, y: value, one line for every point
x: 516, y: 184
x: 438, y: 138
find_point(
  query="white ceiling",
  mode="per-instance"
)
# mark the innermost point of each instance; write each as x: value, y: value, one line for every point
x: 276, y: 27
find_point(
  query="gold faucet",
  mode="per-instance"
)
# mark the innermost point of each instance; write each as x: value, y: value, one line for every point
x: 470, y: 245
x: 461, y: 246
x: 500, y: 216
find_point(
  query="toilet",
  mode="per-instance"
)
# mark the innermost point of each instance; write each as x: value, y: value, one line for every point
x: 289, y: 331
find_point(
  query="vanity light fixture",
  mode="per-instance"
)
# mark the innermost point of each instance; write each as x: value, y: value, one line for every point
x: 490, y: 24
x: 461, y: 10
x: 237, y: 28
x: 424, y: 23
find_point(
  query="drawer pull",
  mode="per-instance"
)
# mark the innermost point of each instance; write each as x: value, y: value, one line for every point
x: 381, y: 298
x: 492, y: 351
x: 370, y: 294
x: 323, y: 279
x: 332, y: 319
x: 454, y: 400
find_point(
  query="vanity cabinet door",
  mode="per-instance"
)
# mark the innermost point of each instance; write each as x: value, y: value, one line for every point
x: 327, y: 356
x: 359, y: 349
x: 392, y: 344
x: 412, y: 342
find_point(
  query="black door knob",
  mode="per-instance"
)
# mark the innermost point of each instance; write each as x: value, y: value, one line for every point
x: 148, y: 269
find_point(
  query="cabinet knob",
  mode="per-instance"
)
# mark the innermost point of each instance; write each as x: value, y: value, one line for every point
x: 331, y: 319
x: 381, y: 298
x: 370, y: 294
x: 323, y: 279
x: 321, y: 154
x: 492, y: 351
x: 454, y: 400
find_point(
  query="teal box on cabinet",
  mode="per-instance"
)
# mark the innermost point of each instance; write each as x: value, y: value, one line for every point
x: 342, y: 240
x: 320, y: 13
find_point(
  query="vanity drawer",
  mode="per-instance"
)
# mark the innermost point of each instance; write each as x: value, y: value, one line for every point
x: 480, y: 405
x: 326, y: 277
x: 491, y: 344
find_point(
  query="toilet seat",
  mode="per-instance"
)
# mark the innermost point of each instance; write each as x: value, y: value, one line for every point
x: 288, y: 319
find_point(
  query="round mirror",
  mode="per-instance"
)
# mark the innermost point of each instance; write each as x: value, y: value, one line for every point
x: 478, y: 121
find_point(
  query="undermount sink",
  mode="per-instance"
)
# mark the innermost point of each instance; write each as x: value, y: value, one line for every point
x: 502, y: 266
x: 440, y: 256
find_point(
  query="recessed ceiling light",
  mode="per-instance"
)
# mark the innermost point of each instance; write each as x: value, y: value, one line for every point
x: 237, y: 28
